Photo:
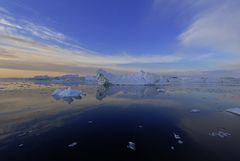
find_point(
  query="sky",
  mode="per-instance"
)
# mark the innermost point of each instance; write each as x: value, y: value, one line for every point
x: 55, y: 37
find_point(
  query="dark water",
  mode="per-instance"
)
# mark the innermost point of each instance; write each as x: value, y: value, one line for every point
x: 36, y: 127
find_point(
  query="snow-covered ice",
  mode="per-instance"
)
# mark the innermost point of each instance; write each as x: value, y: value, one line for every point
x: 234, y: 110
x: 131, y: 145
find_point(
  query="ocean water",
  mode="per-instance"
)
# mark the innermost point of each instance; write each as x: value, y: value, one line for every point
x: 178, y: 122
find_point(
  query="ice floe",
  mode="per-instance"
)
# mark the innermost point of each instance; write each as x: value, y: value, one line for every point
x: 234, y: 110
x: 72, y: 144
x: 220, y: 134
x: 131, y: 145
x: 178, y: 138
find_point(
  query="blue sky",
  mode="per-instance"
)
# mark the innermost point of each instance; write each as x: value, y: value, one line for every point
x: 79, y: 36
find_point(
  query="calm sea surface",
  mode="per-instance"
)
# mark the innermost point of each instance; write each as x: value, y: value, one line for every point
x: 178, y: 122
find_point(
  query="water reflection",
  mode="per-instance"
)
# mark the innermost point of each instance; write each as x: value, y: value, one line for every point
x: 127, y: 91
x: 69, y: 100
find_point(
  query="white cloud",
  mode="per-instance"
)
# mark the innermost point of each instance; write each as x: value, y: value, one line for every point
x: 217, y: 29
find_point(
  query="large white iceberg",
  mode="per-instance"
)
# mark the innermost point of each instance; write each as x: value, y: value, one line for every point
x: 139, y: 78
x: 63, y: 93
x: 234, y: 110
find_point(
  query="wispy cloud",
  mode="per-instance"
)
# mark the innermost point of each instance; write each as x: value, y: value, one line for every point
x: 216, y: 29
x: 29, y: 46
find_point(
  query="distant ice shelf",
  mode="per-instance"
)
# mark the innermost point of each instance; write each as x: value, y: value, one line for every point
x: 234, y: 110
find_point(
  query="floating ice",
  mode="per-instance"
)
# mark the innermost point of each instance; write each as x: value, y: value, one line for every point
x: 220, y: 134
x: 195, y: 110
x: 140, y: 126
x: 161, y: 90
x: 234, y: 110
x: 131, y: 145
x: 90, y: 122
x: 172, y: 148
x: 67, y: 93
x: 180, y: 142
x: 176, y: 136
x: 72, y: 144
x: 20, y: 145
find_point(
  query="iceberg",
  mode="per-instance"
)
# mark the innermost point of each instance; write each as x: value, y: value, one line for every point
x: 139, y: 78
x: 67, y: 93
x: 234, y: 110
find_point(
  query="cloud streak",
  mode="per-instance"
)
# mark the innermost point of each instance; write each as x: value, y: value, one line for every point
x: 28, y: 46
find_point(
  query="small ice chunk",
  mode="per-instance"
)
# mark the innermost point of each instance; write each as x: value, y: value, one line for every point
x: 131, y: 145
x: 72, y: 144
x: 140, y: 126
x: 90, y: 122
x: 234, y: 110
x: 195, y: 110
x: 161, y: 90
x: 172, y: 148
x: 180, y: 142
x: 20, y: 145
x: 176, y: 136
x: 220, y: 134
